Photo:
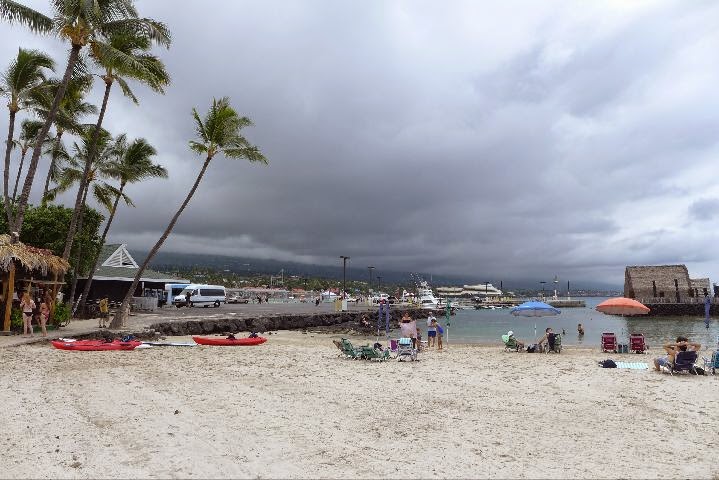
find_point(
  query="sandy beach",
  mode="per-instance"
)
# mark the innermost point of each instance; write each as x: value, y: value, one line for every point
x: 292, y: 408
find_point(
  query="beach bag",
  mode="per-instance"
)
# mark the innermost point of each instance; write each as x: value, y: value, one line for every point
x: 532, y: 348
x: 608, y: 363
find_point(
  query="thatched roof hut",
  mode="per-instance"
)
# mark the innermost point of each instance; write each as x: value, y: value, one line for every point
x: 30, y: 258
x: 648, y: 283
x: 33, y: 265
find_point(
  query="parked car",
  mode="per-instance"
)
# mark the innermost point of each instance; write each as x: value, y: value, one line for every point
x: 237, y: 299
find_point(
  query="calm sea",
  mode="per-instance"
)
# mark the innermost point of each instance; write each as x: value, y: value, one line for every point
x: 487, y: 326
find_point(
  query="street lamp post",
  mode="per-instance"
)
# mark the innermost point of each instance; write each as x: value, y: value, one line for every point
x: 379, y: 283
x: 369, y: 285
x: 556, y: 288
x: 542, y: 282
x: 344, y: 274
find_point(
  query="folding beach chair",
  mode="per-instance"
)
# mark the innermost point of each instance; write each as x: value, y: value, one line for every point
x: 637, y: 343
x: 554, y: 343
x: 349, y: 350
x: 405, y: 349
x: 510, y: 343
x: 609, y: 342
x: 371, y: 353
x: 683, y: 362
x: 712, y: 364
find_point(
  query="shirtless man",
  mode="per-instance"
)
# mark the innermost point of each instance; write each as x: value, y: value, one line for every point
x: 672, y: 349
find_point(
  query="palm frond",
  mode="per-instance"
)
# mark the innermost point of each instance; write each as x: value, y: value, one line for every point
x: 151, y: 29
x: 126, y: 90
x: 15, y: 12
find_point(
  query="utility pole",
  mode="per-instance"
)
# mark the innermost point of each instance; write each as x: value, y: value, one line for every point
x: 379, y: 283
x: 344, y: 275
x: 369, y: 285
x: 542, y: 282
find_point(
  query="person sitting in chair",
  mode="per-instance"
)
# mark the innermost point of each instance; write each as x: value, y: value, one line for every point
x: 672, y: 349
x: 512, y: 342
x: 548, y: 338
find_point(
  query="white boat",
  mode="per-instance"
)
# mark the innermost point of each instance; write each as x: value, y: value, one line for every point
x: 426, y: 297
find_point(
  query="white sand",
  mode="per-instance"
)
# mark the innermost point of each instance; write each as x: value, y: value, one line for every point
x: 291, y: 408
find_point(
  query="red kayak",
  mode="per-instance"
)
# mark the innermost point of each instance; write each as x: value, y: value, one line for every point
x: 95, y: 345
x: 229, y: 341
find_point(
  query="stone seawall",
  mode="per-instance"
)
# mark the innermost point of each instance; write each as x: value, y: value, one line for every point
x: 348, y: 320
x: 681, y: 309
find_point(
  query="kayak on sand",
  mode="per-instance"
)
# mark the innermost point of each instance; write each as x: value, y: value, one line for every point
x: 223, y: 341
x: 94, y: 345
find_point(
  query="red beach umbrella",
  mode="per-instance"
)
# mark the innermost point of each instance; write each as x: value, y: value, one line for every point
x: 622, y: 306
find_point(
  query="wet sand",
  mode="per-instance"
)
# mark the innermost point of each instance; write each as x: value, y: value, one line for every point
x: 292, y: 408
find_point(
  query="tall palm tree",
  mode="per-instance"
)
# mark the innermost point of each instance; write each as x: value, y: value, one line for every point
x: 28, y: 131
x: 73, y: 174
x: 69, y: 114
x: 127, y: 56
x: 81, y: 23
x: 133, y: 165
x: 218, y: 132
x: 22, y: 84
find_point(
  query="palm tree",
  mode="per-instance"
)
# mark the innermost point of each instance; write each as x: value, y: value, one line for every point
x: 134, y: 165
x: 28, y: 131
x: 22, y: 84
x: 73, y: 174
x: 72, y: 108
x: 81, y: 23
x: 218, y: 132
x: 126, y: 57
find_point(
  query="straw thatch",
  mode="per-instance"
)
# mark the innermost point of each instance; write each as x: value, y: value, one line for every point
x: 32, y: 258
x: 652, y: 281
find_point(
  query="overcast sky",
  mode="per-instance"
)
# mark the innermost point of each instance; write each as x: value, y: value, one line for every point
x: 515, y: 139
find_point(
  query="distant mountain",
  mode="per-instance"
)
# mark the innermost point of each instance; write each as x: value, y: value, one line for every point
x: 169, y: 261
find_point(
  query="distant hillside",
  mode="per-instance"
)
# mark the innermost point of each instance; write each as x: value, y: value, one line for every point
x: 169, y: 261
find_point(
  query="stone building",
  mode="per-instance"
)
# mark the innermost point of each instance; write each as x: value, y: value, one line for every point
x: 670, y: 282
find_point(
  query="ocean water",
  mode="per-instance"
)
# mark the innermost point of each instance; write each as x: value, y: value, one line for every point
x: 487, y: 326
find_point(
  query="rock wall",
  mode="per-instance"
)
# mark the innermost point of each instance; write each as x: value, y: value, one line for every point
x: 282, y: 322
x: 681, y: 309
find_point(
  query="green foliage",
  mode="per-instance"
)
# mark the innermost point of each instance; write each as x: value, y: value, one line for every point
x: 16, y: 319
x: 62, y: 312
x: 46, y: 227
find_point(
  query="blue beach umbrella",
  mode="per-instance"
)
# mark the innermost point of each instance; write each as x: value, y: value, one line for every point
x: 534, y: 309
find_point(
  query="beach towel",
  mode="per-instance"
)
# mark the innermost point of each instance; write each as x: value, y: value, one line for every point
x: 633, y: 365
x: 409, y: 329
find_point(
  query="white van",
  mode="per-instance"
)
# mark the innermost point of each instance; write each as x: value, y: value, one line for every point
x: 204, y: 295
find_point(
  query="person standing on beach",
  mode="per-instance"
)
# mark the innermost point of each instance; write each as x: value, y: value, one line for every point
x: 27, y: 306
x: 440, y: 332
x: 44, y: 315
x: 431, y: 330
x: 104, y: 311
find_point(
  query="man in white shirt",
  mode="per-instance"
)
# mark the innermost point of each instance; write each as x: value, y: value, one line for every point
x: 431, y: 331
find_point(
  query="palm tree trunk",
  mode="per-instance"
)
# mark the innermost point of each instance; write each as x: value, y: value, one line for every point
x: 40, y: 139
x: 6, y: 174
x: 119, y: 317
x: 78, y: 255
x: 88, y: 282
x: 19, y: 171
x: 58, y: 138
x: 79, y: 204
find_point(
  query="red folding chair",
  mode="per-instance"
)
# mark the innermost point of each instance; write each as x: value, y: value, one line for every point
x: 637, y: 343
x: 609, y: 342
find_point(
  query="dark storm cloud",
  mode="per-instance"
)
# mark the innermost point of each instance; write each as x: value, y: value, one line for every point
x: 513, y: 141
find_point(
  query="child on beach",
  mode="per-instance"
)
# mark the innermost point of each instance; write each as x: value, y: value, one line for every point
x: 419, y: 340
x: 27, y: 306
x: 440, y: 333
x: 44, y: 315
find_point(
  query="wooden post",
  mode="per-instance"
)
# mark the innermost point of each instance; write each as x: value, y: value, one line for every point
x: 8, y: 298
